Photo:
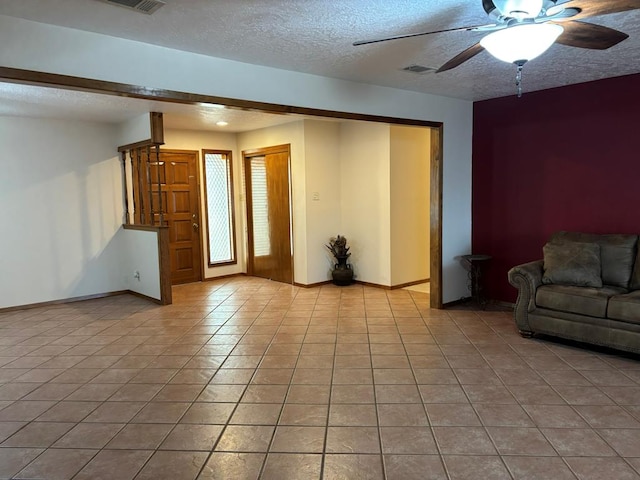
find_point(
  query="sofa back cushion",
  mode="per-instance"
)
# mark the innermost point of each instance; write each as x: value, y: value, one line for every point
x: 572, y: 263
x: 617, y: 254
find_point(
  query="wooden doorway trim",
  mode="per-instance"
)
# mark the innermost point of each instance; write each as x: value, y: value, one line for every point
x: 435, y: 221
x: 68, y: 82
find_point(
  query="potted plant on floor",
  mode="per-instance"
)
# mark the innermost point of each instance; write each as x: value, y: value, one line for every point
x: 342, y: 273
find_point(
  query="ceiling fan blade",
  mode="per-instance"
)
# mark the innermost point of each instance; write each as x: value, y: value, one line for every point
x: 462, y: 57
x: 589, y: 35
x: 409, y: 35
x: 592, y: 8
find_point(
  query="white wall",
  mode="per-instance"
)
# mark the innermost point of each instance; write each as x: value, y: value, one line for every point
x: 134, y: 130
x: 365, y: 195
x: 71, y: 52
x: 198, y: 140
x: 324, y: 210
x: 60, y: 209
x: 293, y: 134
x: 410, y: 186
x: 139, y: 254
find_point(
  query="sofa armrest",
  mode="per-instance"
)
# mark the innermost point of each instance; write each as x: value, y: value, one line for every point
x: 526, y: 278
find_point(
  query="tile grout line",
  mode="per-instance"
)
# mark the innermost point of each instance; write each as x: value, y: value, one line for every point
x: 333, y: 366
x: 424, y: 406
x: 375, y: 393
x: 273, y: 435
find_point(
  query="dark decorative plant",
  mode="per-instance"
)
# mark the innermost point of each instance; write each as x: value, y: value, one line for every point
x: 342, y: 273
x: 338, y: 247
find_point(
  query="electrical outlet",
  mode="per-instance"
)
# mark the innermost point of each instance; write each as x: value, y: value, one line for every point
x: 316, y: 196
x: 136, y: 275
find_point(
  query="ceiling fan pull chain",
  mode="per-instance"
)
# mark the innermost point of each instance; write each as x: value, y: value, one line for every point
x: 519, y: 80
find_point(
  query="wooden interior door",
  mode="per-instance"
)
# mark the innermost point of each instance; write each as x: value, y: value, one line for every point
x: 178, y: 174
x: 267, y: 175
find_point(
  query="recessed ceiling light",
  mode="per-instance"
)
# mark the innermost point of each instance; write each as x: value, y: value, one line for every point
x: 211, y: 105
x: 222, y: 123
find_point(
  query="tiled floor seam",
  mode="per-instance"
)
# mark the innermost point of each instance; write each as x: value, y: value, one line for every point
x: 273, y: 434
x: 326, y: 426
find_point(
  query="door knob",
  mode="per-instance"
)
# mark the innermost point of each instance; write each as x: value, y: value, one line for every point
x: 195, y: 226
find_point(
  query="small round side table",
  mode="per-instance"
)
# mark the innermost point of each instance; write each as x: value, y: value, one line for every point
x: 477, y: 264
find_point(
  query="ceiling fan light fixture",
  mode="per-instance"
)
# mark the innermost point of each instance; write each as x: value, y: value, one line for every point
x: 521, y: 43
x: 519, y: 8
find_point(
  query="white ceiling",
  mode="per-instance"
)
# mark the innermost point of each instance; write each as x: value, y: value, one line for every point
x: 316, y: 36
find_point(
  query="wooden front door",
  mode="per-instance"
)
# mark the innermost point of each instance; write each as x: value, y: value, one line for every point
x: 178, y: 172
x: 269, y: 213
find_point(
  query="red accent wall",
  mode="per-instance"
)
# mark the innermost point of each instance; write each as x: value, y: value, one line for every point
x: 561, y: 159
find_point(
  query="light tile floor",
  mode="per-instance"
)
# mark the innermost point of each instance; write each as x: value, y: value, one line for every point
x: 246, y: 379
x: 420, y: 288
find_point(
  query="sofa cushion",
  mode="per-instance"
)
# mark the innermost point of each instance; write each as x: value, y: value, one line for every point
x: 572, y: 263
x: 579, y: 300
x: 617, y: 254
x: 625, y: 307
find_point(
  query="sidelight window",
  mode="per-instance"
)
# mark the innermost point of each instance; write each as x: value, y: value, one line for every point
x: 218, y: 176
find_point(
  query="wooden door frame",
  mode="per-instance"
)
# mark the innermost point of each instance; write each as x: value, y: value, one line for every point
x: 68, y: 82
x: 198, y: 201
x: 246, y: 158
x: 435, y: 218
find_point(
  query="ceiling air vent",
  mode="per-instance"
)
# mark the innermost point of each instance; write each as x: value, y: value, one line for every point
x: 143, y: 6
x: 417, y: 69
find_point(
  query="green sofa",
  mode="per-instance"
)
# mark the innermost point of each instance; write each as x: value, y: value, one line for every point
x: 587, y: 288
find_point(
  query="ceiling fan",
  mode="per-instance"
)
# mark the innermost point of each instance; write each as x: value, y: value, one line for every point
x: 521, y: 30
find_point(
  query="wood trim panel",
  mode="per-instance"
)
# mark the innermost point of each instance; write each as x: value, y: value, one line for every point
x: 146, y: 297
x: 78, y: 299
x: 199, y: 176
x: 68, y: 82
x: 164, y: 263
x: 63, y: 301
x: 259, y: 152
x: 376, y: 285
x: 455, y: 303
x: 503, y: 306
x: 136, y: 145
x: 435, y: 222
x: 367, y: 284
x: 222, y: 277
x: 312, y: 285
x: 157, y: 128
x: 144, y: 228
x: 125, y: 190
x: 409, y: 284
x: 138, y: 197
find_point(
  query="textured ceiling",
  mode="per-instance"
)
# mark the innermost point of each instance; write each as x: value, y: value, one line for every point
x: 316, y: 36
